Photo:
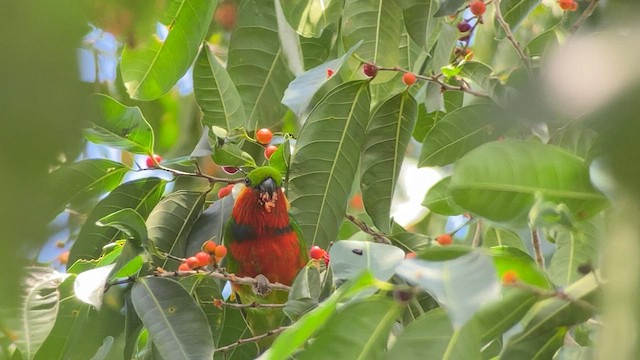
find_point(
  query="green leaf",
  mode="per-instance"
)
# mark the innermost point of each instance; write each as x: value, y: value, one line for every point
x: 215, y: 93
x: 302, y: 89
x: 175, y: 322
x: 386, y: 140
x: 304, y: 294
x: 349, y: 258
x: 128, y: 221
x: 316, y: 51
x: 539, y: 347
x: 459, y: 132
x: 171, y: 221
x: 310, y: 17
x: 507, y: 258
x: 281, y: 159
x: 79, y: 182
x: 89, y: 286
x: 232, y: 155
x: 140, y: 195
x: 103, y: 351
x: 542, y: 43
x: 438, y: 200
x: 574, y: 352
x: 514, y: 12
x: 425, y: 122
x: 483, y: 76
x: 32, y: 320
x: 497, y: 236
x: 501, y: 315
x: 462, y: 285
x: 448, y: 7
x: 298, y: 333
x: 150, y: 69
x: 579, y: 140
x: 360, y: 330
x: 504, y: 188
x: 256, y: 63
x: 234, y: 327
x: 377, y: 23
x: 444, y: 47
x: 121, y: 127
x: 574, y: 248
x: 325, y: 161
x: 421, y: 24
x: 210, y: 224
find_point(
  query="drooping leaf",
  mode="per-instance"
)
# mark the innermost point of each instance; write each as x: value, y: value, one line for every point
x: 310, y: 17
x: 79, y: 182
x: 325, y: 161
x: 377, y: 24
x: 210, y: 224
x: 482, y: 75
x: 462, y: 285
x: 497, y: 236
x: 302, y: 89
x: 421, y: 24
x: 232, y: 155
x: 170, y: 222
x: 215, y: 93
x: 256, y: 63
x: 438, y: 200
x: 386, y: 140
x: 121, y: 127
x: 128, y: 221
x: 289, y: 42
x: 304, y: 294
x: 514, y: 12
x: 150, y: 69
x: 542, y: 43
x: 175, y: 322
x: 349, y: 258
x: 360, y: 330
x: 32, y: 320
x: 140, y: 195
x: 461, y: 131
x: 504, y: 188
x: 89, y: 285
x: 316, y: 51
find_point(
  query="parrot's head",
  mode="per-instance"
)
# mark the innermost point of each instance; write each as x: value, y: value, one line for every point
x: 266, y: 183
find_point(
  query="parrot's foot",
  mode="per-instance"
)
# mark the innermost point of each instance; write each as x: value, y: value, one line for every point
x: 261, y: 287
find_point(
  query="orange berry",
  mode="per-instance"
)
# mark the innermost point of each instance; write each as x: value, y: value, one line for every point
x: 356, y: 202
x: 264, y: 136
x: 269, y: 150
x: 225, y: 191
x: 203, y: 258
x: 184, y: 267
x: 509, y: 277
x: 409, y: 78
x: 565, y: 4
x: 192, y: 262
x: 410, y: 255
x: 444, y: 239
x: 63, y: 258
x: 477, y: 7
x: 209, y: 246
x: 221, y: 251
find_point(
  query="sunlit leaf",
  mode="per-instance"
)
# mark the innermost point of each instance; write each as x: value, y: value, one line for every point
x: 89, y: 285
x: 310, y: 17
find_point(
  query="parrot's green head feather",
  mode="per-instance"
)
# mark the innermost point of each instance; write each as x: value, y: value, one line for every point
x: 259, y: 175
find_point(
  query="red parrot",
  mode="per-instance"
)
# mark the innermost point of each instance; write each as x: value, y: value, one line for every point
x: 263, y: 239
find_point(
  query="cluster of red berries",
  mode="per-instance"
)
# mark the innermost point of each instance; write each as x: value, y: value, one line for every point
x: 318, y: 253
x: 570, y: 5
x: 264, y: 136
x: 153, y: 161
x: 211, y: 254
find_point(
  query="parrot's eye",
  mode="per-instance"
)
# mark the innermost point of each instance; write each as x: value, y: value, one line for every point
x: 247, y: 181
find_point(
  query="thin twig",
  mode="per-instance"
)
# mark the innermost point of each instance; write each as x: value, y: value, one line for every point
x: 377, y: 236
x: 436, y: 79
x: 507, y: 29
x: 477, y: 235
x: 221, y: 303
x: 252, y: 339
x: 585, y: 14
x: 554, y: 294
x: 211, y: 179
x: 535, y: 240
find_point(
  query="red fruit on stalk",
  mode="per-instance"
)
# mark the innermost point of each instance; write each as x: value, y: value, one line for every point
x: 264, y: 136
x: 209, y: 246
x: 409, y: 79
x: 370, y: 70
x: 444, y: 239
x: 464, y: 26
x: 184, y: 267
x: 203, y: 258
x: 269, y: 150
x: 192, y: 262
x: 316, y: 252
x: 477, y: 7
x: 152, y: 161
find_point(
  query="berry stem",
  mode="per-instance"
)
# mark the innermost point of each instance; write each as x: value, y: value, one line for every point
x: 587, y: 12
x: 377, y: 236
x: 436, y: 79
x: 251, y: 339
x: 535, y: 240
x: 477, y: 236
x: 507, y: 29
x: 244, y: 306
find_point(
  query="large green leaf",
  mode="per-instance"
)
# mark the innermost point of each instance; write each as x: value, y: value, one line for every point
x: 482, y: 75
x: 514, y: 12
x: 378, y: 24
x: 140, y: 195
x: 574, y: 248
x: 386, y: 140
x: 504, y: 188
x: 176, y: 323
x: 31, y: 322
x: 150, y: 69
x: 215, y: 93
x: 121, y: 127
x: 316, y: 51
x: 171, y: 221
x: 459, y: 132
x: 447, y: 39
x: 360, y: 330
x: 256, y: 63
x: 304, y: 294
x: 421, y: 24
x: 79, y: 182
x: 325, y: 161
x: 539, y: 347
x: 128, y: 221
x: 310, y: 17
x: 438, y: 200
x: 508, y: 258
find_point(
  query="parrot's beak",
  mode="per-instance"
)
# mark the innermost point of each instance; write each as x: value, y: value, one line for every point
x: 268, y: 194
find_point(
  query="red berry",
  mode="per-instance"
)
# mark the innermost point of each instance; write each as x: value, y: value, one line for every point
x: 209, y: 246
x: 574, y: 6
x: 192, y: 262
x: 264, y: 136
x: 444, y: 239
x: 230, y: 169
x: 269, y: 150
x: 317, y: 252
x: 329, y: 73
x: 221, y: 251
x: 153, y: 161
x: 410, y: 255
x: 326, y: 258
x: 477, y: 7
x: 203, y: 258
x: 184, y: 267
x: 225, y: 191
x: 225, y: 15
x: 409, y: 78
x: 370, y: 70
x: 509, y: 277
x: 565, y: 4
x: 464, y: 26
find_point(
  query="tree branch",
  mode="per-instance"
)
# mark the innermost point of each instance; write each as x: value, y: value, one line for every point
x: 557, y: 294
x: 219, y: 303
x: 535, y: 240
x: 585, y: 14
x: 507, y: 29
x: 377, y: 236
x: 252, y: 339
x: 211, y: 179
